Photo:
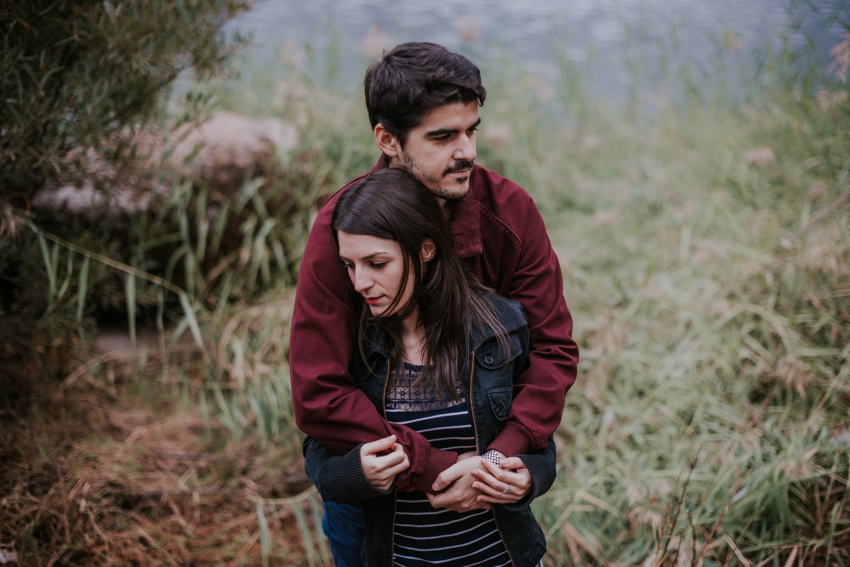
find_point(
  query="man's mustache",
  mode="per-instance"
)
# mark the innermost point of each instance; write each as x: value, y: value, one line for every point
x: 459, y: 166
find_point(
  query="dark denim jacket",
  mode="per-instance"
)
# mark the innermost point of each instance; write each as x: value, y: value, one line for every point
x: 492, y: 381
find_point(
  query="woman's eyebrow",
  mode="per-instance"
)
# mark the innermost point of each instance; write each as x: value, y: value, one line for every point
x: 369, y: 257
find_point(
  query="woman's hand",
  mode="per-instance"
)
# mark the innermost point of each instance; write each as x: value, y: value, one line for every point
x: 381, y: 470
x: 500, y: 486
x: 456, y: 484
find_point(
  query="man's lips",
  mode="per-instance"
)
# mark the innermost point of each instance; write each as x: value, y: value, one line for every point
x: 462, y: 168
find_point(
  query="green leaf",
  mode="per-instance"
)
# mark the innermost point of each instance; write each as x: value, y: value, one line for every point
x: 130, y: 292
x: 189, y: 315
x: 82, y: 289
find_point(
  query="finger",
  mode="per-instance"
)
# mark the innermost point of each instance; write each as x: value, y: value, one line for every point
x: 395, y: 455
x: 377, y: 446
x: 384, y: 462
x: 512, y: 463
x: 397, y: 469
x: 488, y: 478
x: 520, y: 479
x: 497, y: 471
x: 492, y: 491
x: 438, y: 500
x: 508, y: 499
x: 447, y: 477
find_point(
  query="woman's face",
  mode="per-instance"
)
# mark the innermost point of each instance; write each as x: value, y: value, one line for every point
x: 376, y: 268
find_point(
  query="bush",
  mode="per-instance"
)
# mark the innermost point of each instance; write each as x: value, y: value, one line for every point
x: 78, y: 74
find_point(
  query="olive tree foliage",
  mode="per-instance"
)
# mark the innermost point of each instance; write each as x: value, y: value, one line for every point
x: 82, y: 74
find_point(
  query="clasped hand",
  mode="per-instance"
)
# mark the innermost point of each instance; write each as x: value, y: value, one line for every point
x: 474, y: 483
x: 381, y: 470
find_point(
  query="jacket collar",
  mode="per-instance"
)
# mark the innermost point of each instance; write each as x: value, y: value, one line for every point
x: 464, y: 221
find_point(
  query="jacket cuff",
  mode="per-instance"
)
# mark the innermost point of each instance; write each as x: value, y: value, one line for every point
x: 348, y: 480
x: 513, y: 440
x: 542, y: 476
x: 436, y: 462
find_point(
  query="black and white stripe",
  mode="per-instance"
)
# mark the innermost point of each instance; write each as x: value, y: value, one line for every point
x: 423, y: 535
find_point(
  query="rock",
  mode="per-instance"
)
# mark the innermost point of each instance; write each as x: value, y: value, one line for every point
x: 91, y: 202
x: 227, y: 148
x: 221, y: 152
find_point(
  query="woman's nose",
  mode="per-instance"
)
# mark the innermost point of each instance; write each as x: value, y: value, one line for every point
x: 361, y: 281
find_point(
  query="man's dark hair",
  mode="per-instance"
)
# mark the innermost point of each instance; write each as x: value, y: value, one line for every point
x: 412, y: 79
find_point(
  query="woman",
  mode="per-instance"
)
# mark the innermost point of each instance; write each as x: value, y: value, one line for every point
x: 439, y: 354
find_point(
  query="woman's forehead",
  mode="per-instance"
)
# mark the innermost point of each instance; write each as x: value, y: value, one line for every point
x: 365, y: 245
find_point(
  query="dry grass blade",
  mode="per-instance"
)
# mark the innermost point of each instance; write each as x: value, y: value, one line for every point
x: 737, y: 551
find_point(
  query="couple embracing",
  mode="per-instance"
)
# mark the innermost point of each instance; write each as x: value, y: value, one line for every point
x: 431, y: 345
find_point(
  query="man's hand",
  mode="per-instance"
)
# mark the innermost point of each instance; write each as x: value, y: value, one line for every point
x: 500, y: 486
x: 381, y: 470
x: 456, y: 481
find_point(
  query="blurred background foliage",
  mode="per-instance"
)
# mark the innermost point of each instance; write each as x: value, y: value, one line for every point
x: 705, y: 245
x: 76, y: 74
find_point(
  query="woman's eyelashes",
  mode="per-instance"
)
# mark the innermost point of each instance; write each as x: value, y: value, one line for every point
x: 376, y: 265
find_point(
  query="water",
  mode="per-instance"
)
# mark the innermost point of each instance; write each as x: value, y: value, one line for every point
x: 608, y: 37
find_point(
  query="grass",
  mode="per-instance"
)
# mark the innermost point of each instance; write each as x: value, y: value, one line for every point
x: 708, y: 280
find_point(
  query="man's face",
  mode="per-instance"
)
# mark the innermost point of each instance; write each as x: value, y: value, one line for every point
x: 440, y: 151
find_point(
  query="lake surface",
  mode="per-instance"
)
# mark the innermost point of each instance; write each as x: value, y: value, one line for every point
x: 607, y: 37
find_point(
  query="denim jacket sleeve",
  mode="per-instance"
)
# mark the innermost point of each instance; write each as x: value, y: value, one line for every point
x: 338, y: 479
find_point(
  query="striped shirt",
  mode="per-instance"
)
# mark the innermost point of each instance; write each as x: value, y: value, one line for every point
x: 424, y: 535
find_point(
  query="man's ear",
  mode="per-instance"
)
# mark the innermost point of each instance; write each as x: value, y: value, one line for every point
x: 387, y: 142
x: 428, y: 251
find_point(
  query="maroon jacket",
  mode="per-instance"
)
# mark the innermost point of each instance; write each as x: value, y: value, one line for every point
x: 518, y: 263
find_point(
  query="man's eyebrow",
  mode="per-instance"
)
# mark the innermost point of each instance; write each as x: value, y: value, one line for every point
x: 444, y: 131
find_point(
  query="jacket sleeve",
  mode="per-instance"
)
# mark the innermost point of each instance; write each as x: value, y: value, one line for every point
x: 337, y: 478
x: 540, y: 391
x: 326, y: 403
x: 541, y: 466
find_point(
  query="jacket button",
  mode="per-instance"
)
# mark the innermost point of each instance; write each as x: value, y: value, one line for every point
x: 488, y: 359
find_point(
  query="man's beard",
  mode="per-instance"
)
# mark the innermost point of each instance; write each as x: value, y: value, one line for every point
x: 434, y: 183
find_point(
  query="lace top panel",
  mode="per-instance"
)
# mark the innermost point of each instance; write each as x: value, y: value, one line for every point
x: 406, y: 392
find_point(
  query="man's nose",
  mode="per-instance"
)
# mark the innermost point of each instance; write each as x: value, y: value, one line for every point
x: 465, y: 149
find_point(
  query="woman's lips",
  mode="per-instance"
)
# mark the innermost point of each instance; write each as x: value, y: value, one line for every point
x: 372, y: 300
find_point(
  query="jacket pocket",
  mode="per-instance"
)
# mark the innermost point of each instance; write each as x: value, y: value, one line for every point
x: 500, y: 401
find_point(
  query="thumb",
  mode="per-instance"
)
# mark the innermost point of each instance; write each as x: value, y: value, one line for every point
x: 377, y: 446
x: 446, y: 477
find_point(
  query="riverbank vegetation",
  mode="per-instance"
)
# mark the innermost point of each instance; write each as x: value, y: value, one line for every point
x: 705, y: 246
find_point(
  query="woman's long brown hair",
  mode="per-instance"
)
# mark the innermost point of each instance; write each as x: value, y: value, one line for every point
x: 393, y: 205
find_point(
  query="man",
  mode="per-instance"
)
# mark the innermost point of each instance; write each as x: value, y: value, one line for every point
x: 423, y: 105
